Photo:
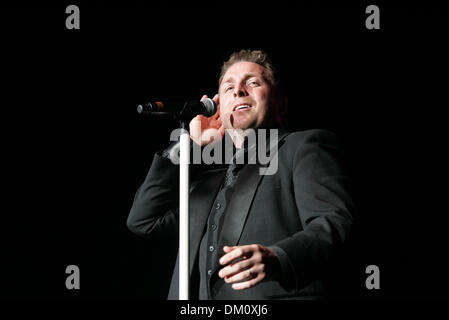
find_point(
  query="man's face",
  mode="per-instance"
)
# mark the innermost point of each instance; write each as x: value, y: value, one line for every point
x: 246, y: 96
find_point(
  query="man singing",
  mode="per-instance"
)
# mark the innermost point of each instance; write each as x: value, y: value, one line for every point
x: 253, y: 236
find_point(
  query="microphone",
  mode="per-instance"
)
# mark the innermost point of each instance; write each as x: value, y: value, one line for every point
x: 186, y: 110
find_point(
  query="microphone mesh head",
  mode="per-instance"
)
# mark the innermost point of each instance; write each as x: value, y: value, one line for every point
x: 211, y: 107
x: 139, y: 108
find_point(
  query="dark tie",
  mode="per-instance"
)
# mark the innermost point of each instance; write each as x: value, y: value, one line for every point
x: 234, y: 168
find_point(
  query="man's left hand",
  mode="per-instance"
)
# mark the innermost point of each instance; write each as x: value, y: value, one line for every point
x: 255, y: 263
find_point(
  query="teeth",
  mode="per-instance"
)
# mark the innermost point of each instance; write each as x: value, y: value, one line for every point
x: 243, y: 106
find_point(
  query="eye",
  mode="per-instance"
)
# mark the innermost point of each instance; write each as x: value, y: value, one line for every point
x: 228, y: 88
x: 253, y: 83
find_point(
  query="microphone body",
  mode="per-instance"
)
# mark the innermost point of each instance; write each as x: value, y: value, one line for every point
x: 183, y: 110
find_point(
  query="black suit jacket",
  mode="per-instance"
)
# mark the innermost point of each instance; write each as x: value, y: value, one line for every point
x: 302, y: 212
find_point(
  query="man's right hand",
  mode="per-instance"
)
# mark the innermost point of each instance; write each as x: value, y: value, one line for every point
x: 205, y: 130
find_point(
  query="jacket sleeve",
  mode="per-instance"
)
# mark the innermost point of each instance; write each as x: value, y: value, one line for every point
x: 156, y: 203
x: 155, y: 206
x: 325, y: 209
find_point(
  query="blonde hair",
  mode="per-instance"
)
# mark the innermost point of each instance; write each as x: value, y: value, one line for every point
x: 257, y: 56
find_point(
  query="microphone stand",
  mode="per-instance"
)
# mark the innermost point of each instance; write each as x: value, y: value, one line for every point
x: 185, y: 116
x: 184, y: 232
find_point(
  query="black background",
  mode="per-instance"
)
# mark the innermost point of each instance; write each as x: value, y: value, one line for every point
x: 74, y: 150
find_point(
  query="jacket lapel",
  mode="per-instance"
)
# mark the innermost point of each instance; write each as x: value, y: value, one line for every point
x: 242, y: 198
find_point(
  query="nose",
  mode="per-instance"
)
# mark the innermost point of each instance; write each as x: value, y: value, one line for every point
x: 239, y: 91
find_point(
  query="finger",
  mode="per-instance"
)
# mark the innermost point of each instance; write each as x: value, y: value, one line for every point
x: 217, y: 102
x: 195, y: 123
x: 226, y: 257
x: 236, y: 268
x: 235, y: 253
x: 217, y: 113
x: 203, y: 97
x: 228, y: 248
x: 247, y: 284
x: 211, y: 134
x: 221, y: 130
x: 240, y: 277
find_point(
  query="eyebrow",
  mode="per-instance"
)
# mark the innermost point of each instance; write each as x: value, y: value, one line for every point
x: 246, y: 76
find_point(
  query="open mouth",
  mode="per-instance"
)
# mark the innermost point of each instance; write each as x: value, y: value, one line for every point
x: 241, y: 107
